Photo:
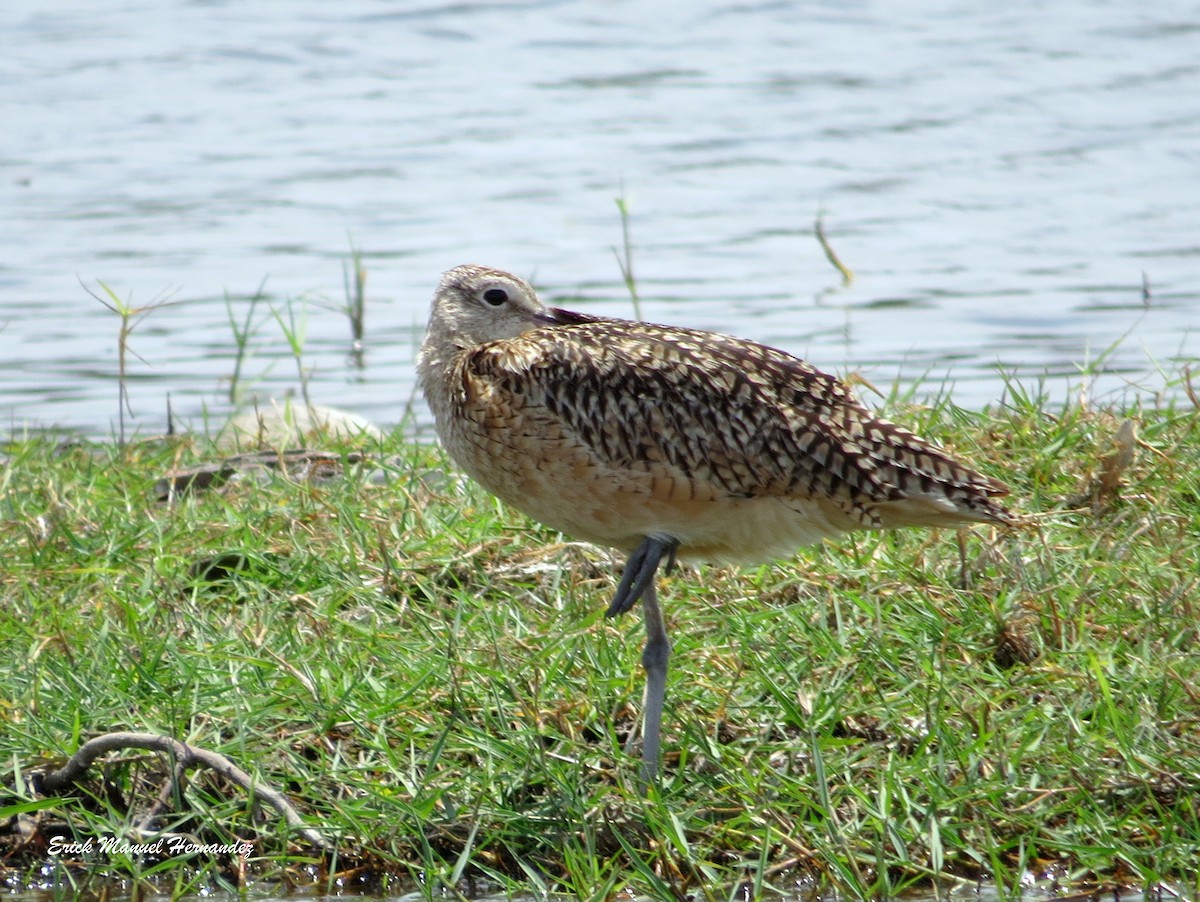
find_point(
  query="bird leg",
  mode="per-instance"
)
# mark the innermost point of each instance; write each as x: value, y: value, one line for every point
x: 654, y: 660
x: 638, y: 582
x: 640, y: 569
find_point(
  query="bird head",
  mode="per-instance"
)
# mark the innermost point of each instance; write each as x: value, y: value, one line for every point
x: 477, y: 304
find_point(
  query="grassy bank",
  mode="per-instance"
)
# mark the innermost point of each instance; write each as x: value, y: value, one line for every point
x: 430, y: 680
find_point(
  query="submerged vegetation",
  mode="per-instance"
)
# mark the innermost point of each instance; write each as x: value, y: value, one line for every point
x: 429, y: 680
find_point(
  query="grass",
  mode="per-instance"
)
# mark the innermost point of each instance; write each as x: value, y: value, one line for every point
x: 625, y: 257
x: 355, y: 308
x: 242, y: 333
x: 430, y: 680
x: 129, y: 318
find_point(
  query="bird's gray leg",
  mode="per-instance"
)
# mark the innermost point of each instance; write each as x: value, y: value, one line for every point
x: 964, y: 574
x: 638, y: 582
x: 654, y: 658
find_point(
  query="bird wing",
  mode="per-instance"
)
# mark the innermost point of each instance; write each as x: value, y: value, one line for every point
x: 733, y: 417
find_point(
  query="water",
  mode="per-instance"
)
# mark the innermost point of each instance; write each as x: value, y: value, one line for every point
x: 1016, y: 187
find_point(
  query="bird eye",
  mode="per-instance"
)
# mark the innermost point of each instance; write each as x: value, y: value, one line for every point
x: 496, y: 296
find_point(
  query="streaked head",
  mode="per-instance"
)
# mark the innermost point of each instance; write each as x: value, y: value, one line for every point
x: 476, y: 304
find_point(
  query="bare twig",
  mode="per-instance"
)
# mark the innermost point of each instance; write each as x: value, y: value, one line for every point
x: 185, y: 756
x: 169, y: 791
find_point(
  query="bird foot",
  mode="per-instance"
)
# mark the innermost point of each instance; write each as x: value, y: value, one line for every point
x: 640, y: 569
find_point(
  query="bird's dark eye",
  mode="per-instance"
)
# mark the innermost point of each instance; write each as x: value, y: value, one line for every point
x: 496, y: 296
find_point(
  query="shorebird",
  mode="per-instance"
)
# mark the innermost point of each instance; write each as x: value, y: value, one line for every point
x: 662, y: 442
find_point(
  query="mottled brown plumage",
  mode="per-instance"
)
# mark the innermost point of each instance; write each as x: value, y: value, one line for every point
x: 623, y: 433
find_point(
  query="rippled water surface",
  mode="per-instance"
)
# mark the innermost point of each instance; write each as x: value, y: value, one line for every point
x: 1016, y: 187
